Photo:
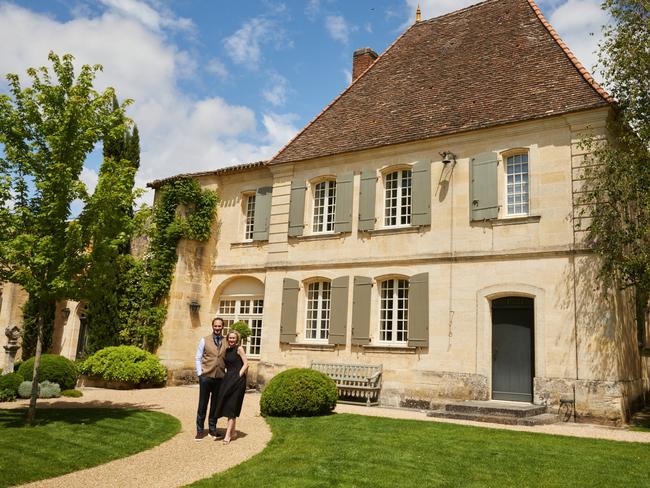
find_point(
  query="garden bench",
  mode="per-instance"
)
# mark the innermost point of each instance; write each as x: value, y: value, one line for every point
x: 361, y: 381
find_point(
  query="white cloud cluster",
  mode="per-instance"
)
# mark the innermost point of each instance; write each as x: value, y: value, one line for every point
x: 277, y: 89
x: 178, y: 134
x: 338, y: 28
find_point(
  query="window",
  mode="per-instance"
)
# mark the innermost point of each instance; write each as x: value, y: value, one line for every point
x: 318, y: 311
x: 249, y: 210
x: 397, y: 198
x: 393, y: 320
x: 249, y: 310
x: 324, y: 206
x: 517, y: 184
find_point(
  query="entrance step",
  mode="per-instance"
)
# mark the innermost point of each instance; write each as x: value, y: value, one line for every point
x: 508, y: 413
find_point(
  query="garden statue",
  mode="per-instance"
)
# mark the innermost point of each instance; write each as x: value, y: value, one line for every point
x: 12, y: 333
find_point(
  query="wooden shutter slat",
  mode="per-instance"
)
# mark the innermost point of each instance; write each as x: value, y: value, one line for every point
x: 288, y: 314
x: 484, y: 199
x: 421, y: 194
x: 338, y: 310
x: 418, y: 328
x: 367, y: 200
x: 343, y: 215
x: 297, y: 208
x: 361, y: 298
x: 262, y: 213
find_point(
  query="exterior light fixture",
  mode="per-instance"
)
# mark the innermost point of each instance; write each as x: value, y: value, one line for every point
x: 448, y: 157
x: 65, y: 313
x: 194, y: 307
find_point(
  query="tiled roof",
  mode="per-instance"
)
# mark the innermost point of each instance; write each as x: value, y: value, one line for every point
x: 221, y: 171
x: 494, y: 63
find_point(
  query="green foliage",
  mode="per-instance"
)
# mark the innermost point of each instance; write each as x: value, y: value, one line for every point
x: 299, y: 392
x: 72, y: 393
x: 243, y: 329
x: 11, y: 381
x: 25, y: 389
x: 49, y: 390
x: 54, y: 368
x: 125, y: 363
x: 30, y: 326
x: 7, y: 395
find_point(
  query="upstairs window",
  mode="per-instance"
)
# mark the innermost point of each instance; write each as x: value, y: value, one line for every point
x: 397, y: 198
x: 324, y: 206
x: 250, y: 216
x: 517, y: 184
x: 318, y: 311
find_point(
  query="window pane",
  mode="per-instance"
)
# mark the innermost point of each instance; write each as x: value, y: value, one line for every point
x: 517, y: 184
x: 324, y: 206
x: 318, y: 310
x: 250, y: 217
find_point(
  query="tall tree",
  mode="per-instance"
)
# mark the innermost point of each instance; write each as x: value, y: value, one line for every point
x: 617, y: 195
x: 47, y: 130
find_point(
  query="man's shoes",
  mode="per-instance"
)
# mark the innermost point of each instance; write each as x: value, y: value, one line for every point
x: 213, y: 433
x: 200, y: 436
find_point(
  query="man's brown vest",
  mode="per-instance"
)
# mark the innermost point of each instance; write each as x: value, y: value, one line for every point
x: 212, y: 362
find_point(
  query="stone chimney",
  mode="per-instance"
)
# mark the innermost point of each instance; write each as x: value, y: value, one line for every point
x: 361, y: 59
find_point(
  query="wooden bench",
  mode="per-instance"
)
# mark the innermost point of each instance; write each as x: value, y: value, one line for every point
x: 361, y: 381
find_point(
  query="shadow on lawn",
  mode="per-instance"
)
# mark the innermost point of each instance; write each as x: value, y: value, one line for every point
x: 70, y: 413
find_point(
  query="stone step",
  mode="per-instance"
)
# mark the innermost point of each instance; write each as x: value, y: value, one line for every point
x: 540, y: 419
x: 492, y: 408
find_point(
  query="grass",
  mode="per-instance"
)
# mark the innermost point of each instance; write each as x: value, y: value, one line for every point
x: 66, y: 440
x: 356, y: 451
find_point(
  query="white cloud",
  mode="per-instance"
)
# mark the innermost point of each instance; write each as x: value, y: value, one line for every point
x: 147, y: 15
x: 244, y: 46
x: 338, y: 28
x: 348, y: 76
x: 178, y: 134
x: 277, y: 90
x: 216, y: 67
x: 89, y: 177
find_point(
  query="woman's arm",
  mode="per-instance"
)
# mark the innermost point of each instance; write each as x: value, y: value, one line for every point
x: 242, y: 355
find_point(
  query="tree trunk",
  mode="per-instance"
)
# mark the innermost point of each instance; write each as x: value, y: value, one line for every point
x: 31, y: 412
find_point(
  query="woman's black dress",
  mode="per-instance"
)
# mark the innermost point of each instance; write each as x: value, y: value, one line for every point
x: 231, y: 392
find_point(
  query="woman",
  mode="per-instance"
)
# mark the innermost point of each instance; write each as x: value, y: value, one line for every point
x: 233, y: 386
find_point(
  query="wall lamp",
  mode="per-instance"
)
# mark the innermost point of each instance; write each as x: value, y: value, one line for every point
x: 448, y: 157
x: 194, y: 307
x: 65, y: 313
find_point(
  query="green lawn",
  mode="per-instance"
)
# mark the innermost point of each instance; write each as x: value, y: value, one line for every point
x: 68, y: 440
x: 355, y: 451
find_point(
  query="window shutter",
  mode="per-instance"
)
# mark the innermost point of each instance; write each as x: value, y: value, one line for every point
x: 262, y: 213
x: 361, y: 310
x: 339, y: 310
x: 289, y: 310
x: 484, y: 200
x: 418, y: 333
x: 367, y: 200
x: 421, y: 203
x: 343, y: 217
x: 297, y: 208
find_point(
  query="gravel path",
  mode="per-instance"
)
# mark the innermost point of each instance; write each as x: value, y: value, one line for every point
x: 181, y: 460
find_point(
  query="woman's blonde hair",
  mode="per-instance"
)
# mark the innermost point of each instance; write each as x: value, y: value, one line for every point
x: 237, y: 334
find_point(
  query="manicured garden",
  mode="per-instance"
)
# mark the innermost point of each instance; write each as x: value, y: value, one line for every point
x: 66, y: 440
x: 355, y: 451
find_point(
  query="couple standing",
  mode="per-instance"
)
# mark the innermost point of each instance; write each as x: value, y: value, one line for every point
x: 221, y: 366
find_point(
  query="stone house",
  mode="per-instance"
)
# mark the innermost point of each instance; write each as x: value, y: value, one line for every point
x: 426, y: 221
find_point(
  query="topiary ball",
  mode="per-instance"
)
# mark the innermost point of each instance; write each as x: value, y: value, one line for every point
x: 126, y: 363
x: 299, y: 392
x: 54, y: 368
x: 11, y: 381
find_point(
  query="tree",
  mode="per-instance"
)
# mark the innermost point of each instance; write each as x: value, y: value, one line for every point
x: 47, y: 130
x: 617, y: 189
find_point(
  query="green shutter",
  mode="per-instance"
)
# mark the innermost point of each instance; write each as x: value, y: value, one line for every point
x: 367, y: 200
x: 288, y: 315
x: 484, y: 200
x: 361, y: 310
x: 338, y: 310
x: 421, y: 197
x: 297, y: 208
x: 343, y: 217
x: 418, y: 334
x: 262, y: 213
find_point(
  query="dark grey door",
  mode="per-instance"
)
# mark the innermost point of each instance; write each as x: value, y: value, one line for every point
x: 512, y: 349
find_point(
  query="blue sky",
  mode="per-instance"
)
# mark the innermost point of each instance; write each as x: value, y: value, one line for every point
x: 221, y: 82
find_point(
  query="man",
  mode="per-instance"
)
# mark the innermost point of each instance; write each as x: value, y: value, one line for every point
x: 210, y: 370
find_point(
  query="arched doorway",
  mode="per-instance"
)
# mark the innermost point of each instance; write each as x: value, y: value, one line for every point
x: 513, y: 348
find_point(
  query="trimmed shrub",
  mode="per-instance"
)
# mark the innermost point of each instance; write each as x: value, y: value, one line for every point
x: 49, y: 390
x: 125, y: 363
x: 72, y: 393
x: 243, y: 329
x: 54, y: 368
x: 11, y: 381
x: 299, y: 392
x: 25, y: 389
x: 7, y: 395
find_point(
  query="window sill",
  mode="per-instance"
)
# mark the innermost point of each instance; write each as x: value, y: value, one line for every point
x: 235, y: 245
x: 389, y: 349
x: 312, y: 346
x: 395, y: 230
x: 320, y: 237
x: 527, y: 219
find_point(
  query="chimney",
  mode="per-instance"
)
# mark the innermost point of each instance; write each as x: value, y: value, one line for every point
x: 361, y: 59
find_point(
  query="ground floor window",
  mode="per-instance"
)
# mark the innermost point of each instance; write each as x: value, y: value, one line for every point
x: 249, y: 310
x: 393, y: 320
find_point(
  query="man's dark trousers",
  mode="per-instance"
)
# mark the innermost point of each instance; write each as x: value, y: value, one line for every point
x: 208, y: 392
